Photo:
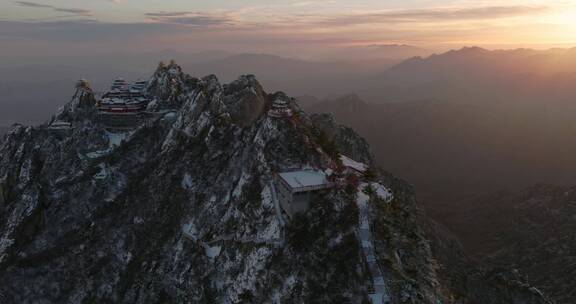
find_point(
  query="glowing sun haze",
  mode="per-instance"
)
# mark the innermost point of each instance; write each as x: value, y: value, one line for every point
x: 281, y: 26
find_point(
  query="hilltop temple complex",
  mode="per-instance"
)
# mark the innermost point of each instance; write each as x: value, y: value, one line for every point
x: 124, y: 105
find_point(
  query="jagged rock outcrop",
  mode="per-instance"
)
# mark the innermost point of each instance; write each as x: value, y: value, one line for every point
x: 349, y: 142
x: 181, y: 209
x: 246, y: 100
x: 167, y: 85
x: 81, y: 107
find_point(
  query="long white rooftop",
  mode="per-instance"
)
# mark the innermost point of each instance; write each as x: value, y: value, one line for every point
x: 348, y: 162
x: 305, y: 179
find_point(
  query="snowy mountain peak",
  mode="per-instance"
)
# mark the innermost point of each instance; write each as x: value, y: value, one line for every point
x: 185, y: 205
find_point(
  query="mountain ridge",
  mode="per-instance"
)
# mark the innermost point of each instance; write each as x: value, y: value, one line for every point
x: 181, y: 208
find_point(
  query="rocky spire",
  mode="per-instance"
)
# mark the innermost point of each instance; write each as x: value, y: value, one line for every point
x: 82, y: 105
x: 246, y: 100
x: 167, y: 86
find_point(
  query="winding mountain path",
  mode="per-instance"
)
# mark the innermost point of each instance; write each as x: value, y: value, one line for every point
x: 379, y: 293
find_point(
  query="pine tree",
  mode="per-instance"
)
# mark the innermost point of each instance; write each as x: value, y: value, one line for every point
x: 83, y: 84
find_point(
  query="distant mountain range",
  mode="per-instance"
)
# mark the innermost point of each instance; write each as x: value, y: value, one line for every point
x: 375, y: 51
x: 294, y: 75
x: 475, y: 63
x: 376, y: 73
x: 477, y: 75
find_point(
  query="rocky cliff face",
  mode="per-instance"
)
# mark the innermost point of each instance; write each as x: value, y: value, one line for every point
x: 81, y: 107
x: 344, y: 137
x: 182, y: 210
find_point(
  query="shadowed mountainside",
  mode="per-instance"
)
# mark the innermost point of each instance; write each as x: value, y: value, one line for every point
x: 531, y: 230
x: 454, y: 153
x: 479, y: 148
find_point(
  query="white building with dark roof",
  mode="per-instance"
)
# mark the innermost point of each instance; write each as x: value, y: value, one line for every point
x: 297, y: 189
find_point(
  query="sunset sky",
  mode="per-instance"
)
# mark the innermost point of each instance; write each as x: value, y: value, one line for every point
x: 281, y: 26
